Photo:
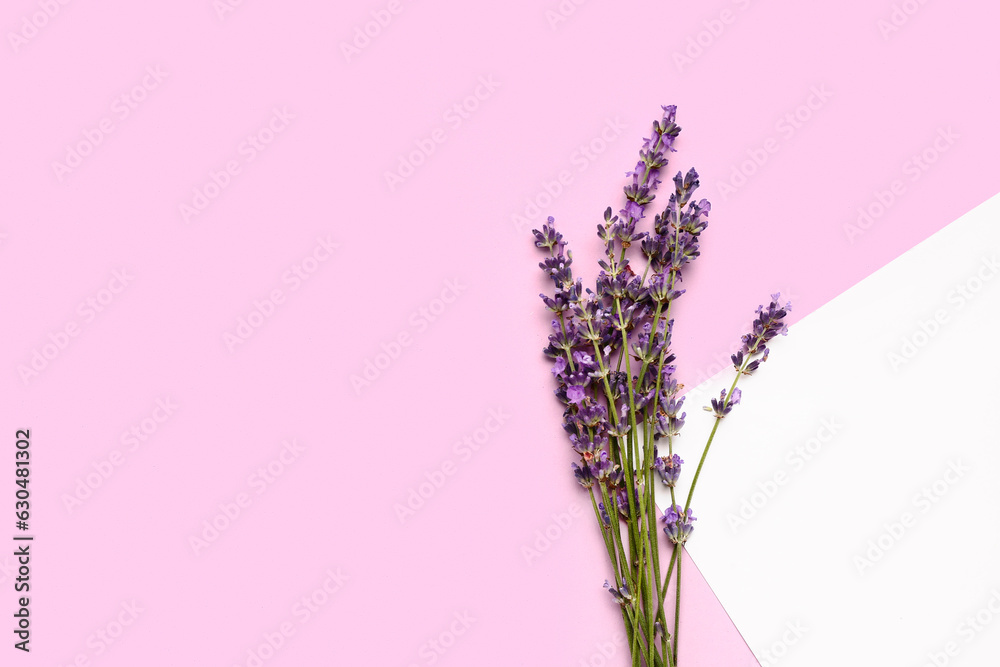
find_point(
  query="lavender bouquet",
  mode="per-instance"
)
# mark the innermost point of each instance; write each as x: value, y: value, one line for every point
x: 614, y: 372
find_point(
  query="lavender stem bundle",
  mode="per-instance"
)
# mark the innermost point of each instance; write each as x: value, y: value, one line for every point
x: 618, y: 418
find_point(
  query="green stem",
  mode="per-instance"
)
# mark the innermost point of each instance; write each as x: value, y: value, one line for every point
x: 708, y: 445
x: 677, y: 605
x: 613, y: 555
x: 670, y: 571
x: 608, y: 542
x: 616, y: 534
x: 633, y: 459
x: 637, y: 644
x: 636, y: 520
x: 612, y: 407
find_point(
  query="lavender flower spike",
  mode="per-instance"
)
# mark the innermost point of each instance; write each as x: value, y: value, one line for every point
x: 770, y: 322
x: 652, y: 158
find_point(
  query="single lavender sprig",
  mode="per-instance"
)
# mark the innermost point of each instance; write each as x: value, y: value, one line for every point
x: 770, y: 322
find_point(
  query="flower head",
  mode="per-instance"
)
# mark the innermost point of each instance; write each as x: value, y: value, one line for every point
x: 770, y: 322
x: 723, y: 406
x: 678, y: 523
x: 549, y: 237
x: 669, y: 468
x: 602, y: 466
x: 622, y: 500
x: 604, y: 515
x: 584, y: 475
x: 575, y: 393
x: 652, y: 158
x: 622, y: 596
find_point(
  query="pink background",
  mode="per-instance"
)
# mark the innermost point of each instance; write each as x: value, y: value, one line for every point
x: 332, y: 507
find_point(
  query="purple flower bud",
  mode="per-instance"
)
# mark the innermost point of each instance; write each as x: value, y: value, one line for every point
x: 558, y: 268
x: 604, y: 515
x: 593, y: 415
x: 722, y: 407
x: 584, y: 362
x: 632, y: 210
x: 621, y: 499
x: 669, y: 468
x: 616, y: 477
x: 623, y: 596
x: 584, y: 475
x: 685, y: 186
x: 770, y: 322
x: 549, y: 237
x: 602, y: 466
x: 678, y: 524
x: 583, y: 445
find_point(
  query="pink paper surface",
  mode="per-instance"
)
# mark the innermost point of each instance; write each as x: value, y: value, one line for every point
x: 222, y: 177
